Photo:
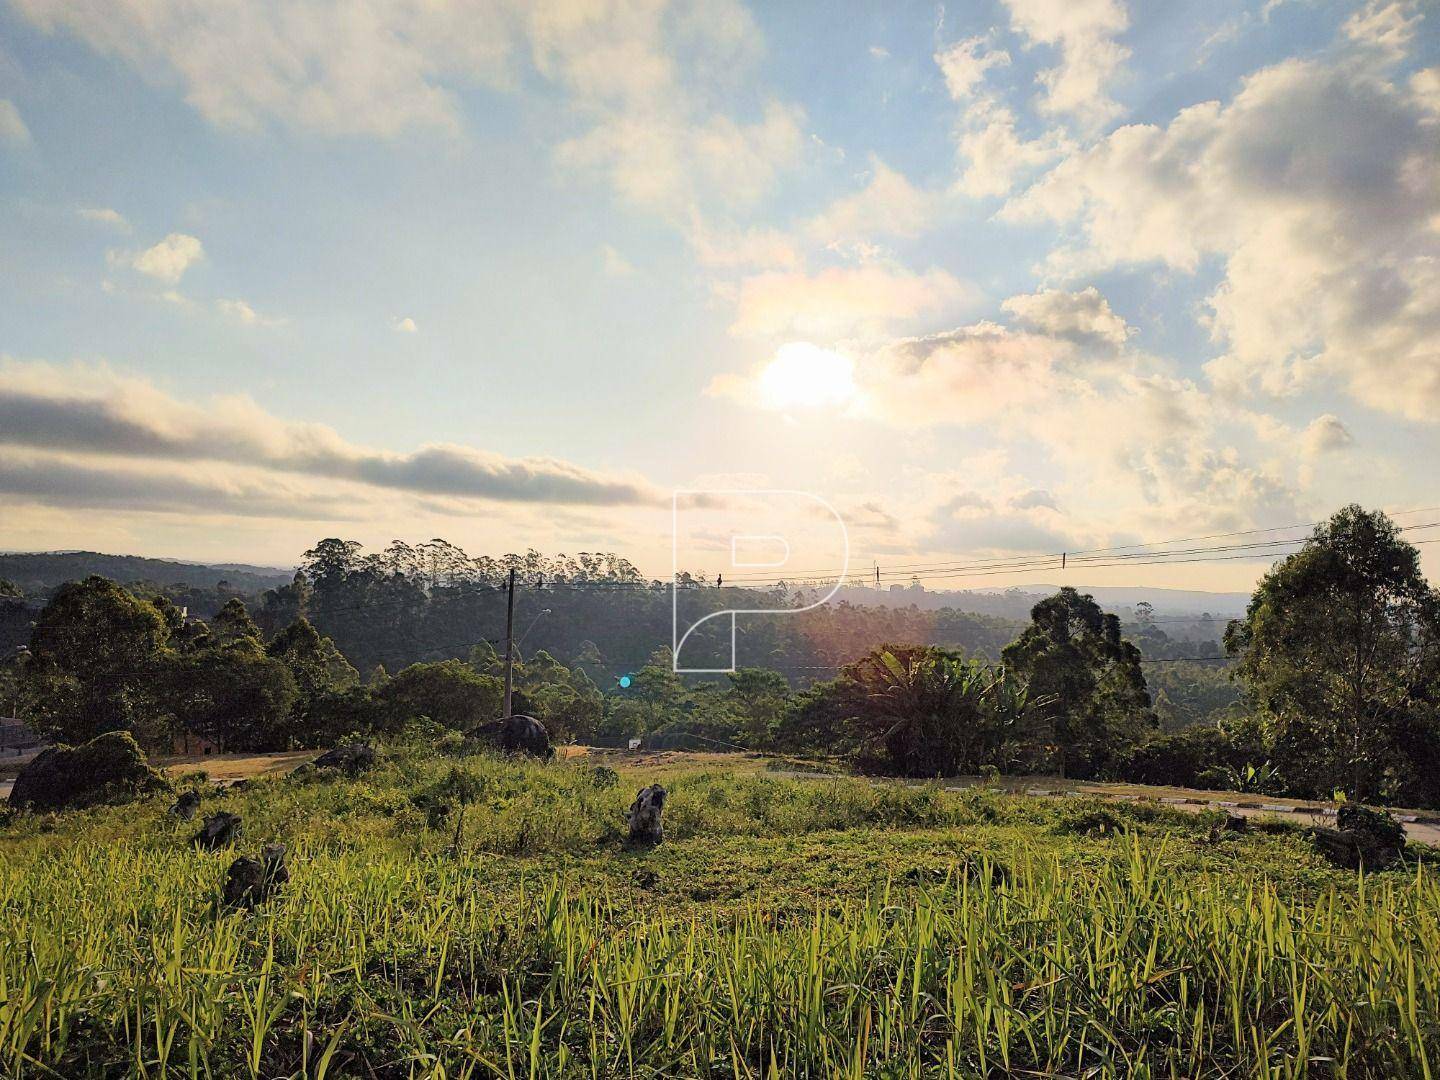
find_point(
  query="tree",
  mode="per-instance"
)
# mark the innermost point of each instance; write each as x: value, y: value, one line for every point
x: 1339, y: 650
x: 931, y: 712
x: 758, y: 696
x: 97, y: 654
x: 235, y: 695
x: 233, y: 623
x: 450, y: 693
x: 1072, y: 655
x: 316, y: 663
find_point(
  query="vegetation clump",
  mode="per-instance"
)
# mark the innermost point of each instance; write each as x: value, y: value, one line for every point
x: 1363, y: 838
x: 109, y: 768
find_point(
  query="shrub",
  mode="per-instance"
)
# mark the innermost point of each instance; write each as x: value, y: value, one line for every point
x: 1195, y: 757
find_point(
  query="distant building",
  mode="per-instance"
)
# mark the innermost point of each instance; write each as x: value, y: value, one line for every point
x: 17, y: 740
x: 188, y: 744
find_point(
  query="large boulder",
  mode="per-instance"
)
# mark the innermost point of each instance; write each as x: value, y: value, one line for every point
x: 186, y: 805
x: 352, y: 758
x: 108, y: 769
x: 644, y: 817
x: 517, y: 735
x: 218, y: 830
x: 250, y: 882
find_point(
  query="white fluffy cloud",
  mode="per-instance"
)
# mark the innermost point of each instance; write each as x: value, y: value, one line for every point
x: 649, y: 84
x: 168, y: 260
x: 1318, y: 188
x: 965, y: 64
x: 993, y: 155
x: 1386, y: 26
x: 1084, y: 31
x: 1080, y: 316
x: 1326, y: 435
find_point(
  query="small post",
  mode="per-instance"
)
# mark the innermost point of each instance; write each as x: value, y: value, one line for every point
x: 509, y: 644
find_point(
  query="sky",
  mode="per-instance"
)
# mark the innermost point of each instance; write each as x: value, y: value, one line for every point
x: 989, y: 279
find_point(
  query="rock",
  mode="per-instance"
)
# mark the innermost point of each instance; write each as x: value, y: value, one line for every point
x: 644, y: 816
x: 351, y: 758
x: 250, y: 882
x: 1365, y: 838
x: 187, y: 805
x: 107, y: 769
x: 517, y: 735
x: 219, y: 830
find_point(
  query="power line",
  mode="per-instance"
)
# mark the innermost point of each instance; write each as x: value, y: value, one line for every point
x: 1043, y: 561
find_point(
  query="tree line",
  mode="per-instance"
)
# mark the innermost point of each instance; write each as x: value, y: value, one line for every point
x: 1334, y: 685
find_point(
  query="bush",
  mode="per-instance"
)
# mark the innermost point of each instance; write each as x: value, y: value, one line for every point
x: 1195, y: 757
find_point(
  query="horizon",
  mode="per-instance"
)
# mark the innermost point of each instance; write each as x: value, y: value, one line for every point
x: 995, y: 281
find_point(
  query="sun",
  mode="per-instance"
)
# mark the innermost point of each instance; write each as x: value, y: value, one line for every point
x: 805, y: 376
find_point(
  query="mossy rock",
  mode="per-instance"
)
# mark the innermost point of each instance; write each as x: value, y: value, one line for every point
x: 1365, y: 837
x: 108, y: 769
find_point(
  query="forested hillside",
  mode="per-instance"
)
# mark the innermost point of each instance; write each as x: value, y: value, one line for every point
x: 36, y: 572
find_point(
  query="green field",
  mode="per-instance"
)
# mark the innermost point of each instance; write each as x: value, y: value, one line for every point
x: 785, y: 928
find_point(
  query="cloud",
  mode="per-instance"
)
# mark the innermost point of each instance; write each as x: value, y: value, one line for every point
x: 405, y: 325
x: 105, y: 216
x: 1385, y: 26
x: 840, y: 300
x: 954, y: 527
x: 65, y: 481
x: 366, y: 68
x: 756, y: 248
x: 646, y: 84
x: 989, y: 146
x: 95, y: 411
x: 1085, y: 32
x: 888, y: 205
x: 1326, y: 435
x: 242, y: 312
x: 1318, y: 190
x: 995, y: 155
x: 965, y: 64
x: 1083, y: 316
x: 167, y: 261
x: 1034, y: 499
x: 12, y: 127
x: 969, y: 375
x: 615, y: 264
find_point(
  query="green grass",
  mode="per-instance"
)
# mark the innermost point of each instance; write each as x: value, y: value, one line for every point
x: 786, y: 928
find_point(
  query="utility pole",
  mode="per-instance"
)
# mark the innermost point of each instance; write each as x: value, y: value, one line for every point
x: 509, y: 643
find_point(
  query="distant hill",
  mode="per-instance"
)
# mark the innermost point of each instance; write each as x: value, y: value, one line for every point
x: 1015, y: 602
x: 40, y: 571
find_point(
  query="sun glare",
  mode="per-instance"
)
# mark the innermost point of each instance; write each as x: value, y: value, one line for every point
x: 805, y: 376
